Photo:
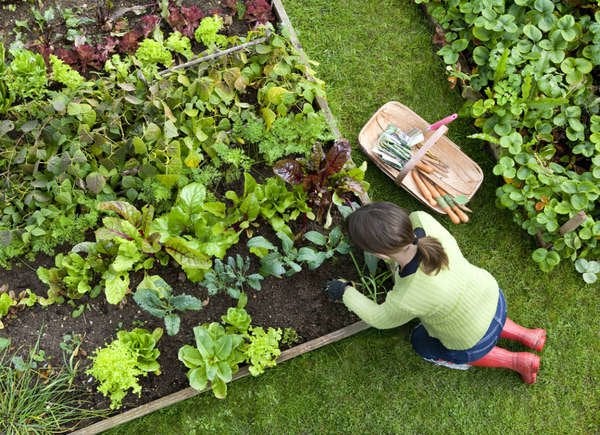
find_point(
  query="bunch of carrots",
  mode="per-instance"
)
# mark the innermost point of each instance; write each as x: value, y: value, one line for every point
x: 435, y: 195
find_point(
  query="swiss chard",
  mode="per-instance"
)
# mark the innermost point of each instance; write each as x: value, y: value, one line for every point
x: 320, y: 175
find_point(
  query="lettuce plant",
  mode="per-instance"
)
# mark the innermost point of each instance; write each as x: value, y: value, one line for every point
x: 272, y: 201
x: 179, y: 44
x: 64, y: 74
x: 151, y: 52
x: 118, y: 366
x: 215, y: 358
x: 27, y: 75
x: 208, y: 32
x: 222, y: 347
x: 261, y: 347
x: 5, y: 303
x: 321, y: 175
x: 72, y: 277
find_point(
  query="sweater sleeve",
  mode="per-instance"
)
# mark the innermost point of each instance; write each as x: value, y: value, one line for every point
x: 380, y: 316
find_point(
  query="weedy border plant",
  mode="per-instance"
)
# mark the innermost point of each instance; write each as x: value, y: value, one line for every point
x: 40, y: 400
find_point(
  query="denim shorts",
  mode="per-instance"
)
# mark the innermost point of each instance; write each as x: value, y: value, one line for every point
x: 432, y: 349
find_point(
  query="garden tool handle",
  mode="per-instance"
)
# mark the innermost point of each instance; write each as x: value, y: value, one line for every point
x: 443, y: 121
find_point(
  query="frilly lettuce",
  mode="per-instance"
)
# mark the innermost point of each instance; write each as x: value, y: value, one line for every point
x: 180, y: 44
x: 64, y: 74
x: 151, y: 52
x: 27, y: 74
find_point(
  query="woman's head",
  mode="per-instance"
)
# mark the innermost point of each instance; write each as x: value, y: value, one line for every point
x: 384, y: 228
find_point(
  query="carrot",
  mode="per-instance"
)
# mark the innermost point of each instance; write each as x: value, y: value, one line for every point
x: 441, y: 201
x: 424, y: 167
x: 461, y: 214
x: 421, y: 186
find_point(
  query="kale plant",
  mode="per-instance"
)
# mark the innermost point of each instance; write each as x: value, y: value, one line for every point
x: 155, y: 296
x: 231, y: 277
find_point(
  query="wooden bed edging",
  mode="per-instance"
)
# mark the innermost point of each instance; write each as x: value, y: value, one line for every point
x: 186, y: 393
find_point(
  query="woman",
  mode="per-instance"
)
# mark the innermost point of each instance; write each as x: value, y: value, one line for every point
x: 461, y: 309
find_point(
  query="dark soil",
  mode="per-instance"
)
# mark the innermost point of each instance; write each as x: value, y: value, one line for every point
x: 297, y: 302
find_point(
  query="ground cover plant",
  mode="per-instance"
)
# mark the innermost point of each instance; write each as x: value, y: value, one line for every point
x: 531, y: 70
x: 370, y: 53
x: 127, y: 179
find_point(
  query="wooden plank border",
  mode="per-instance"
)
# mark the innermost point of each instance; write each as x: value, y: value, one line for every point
x: 189, y: 392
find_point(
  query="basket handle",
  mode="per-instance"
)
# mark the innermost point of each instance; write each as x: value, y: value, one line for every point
x: 416, y: 158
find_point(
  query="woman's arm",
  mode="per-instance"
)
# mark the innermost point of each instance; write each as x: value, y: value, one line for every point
x: 381, y: 316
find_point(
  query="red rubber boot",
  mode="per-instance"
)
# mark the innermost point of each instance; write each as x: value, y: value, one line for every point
x: 532, y: 338
x: 527, y: 364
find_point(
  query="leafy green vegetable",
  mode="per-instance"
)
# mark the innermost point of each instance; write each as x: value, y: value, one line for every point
x: 208, y: 32
x: 155, y: 296
x: 263, y: 349
x: 152, y: 52
x: 215, y: 358
x: 221, y: 349
x: 231, y: 277
x: 27, y: 75
x: 5, y: 303
x: 64, y: 74
x: 118, y: 366
x: 179, y: 44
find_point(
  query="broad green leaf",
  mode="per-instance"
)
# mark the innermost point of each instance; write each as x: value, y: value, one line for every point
x: 316, y: 237
x: 190, y: 356
x: 224, y: 371
x: 170, y: 129
x: 172, y: 322
x: 269, y: 116
x: 223, y: 347
x: 219, y: 388
x: 149, y: 301
x: 197, y: 378
x: 124, y: 209
x: 116, y: 286
x: 204, y: 342
x: 156, y: 284
x: 186, y: 302
x: 260, y: 246
x: 191, y: 198
x: 532, y: 32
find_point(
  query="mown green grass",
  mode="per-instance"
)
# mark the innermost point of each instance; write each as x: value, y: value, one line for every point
x: 371, y: 383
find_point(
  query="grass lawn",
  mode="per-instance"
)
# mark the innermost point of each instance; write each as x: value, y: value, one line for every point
x: 370, y: 53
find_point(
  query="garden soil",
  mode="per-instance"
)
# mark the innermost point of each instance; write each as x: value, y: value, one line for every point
x: 297, y: 302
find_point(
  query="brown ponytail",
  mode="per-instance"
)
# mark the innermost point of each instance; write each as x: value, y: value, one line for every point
x: 385, y: 228
x: 433, y: 256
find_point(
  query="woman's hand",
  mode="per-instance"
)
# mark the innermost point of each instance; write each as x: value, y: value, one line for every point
x: 336, y: 287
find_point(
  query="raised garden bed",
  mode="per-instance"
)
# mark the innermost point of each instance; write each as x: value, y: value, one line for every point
x: 297, y: 302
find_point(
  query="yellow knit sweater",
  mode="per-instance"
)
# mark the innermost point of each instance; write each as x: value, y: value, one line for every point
x: 456, y: 306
